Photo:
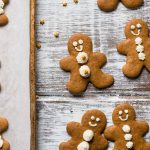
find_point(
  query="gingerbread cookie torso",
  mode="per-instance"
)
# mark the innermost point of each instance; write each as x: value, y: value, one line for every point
x: 87, y: 135
x: 136, y: 48
x: 110, y: 5
x: 4, y: 145
x: 127, y: 132
x: 3, y: 17
x: 84, y: 65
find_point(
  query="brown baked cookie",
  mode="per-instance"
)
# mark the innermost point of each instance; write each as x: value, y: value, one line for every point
x: 110, y: 5
x: 4, y: 145
x: 136, y: 48
x: 87, y: 135
x: 127, y: 132
x: 84, y: 65
x: 3, y: 17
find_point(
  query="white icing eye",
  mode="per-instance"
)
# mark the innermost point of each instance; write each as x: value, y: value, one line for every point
x: 75, y: 44
x: 139, y: 26
x: 120, y: 112
x: 97, y: 119
x: 92, y: 118
x: 126, y: 111
x: 132, y: 27
x: 80, y: 41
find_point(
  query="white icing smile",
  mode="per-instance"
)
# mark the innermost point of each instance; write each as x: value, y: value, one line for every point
x: 133, y: 27
x: 121, y: 113
x: 94, y: 119
x: 78, y: 45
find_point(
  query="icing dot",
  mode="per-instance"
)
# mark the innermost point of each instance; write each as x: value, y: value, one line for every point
x: 75, y: 44
x: 126, y: 111
x: 84, y: 71
x: 141, y: 56
x: 92, y: 118
x: 80, y: 41
x: 128, y: 137
x: 132, y: 27
x: 82, y: 57
x: 139, y: 26
x: 88, y: 135
x: 140, y: 48
x: 120, y: 112
x: 83, y: 146
x: 126, y: 128
x: 129, y: 145
x: 97, y: 119
x: 138, y: 41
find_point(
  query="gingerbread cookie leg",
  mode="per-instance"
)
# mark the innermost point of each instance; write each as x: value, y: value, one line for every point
x: 76, y: 84
x: 6, y: 145
x: 101, y: 80
x: 107, y: 5
x: 132, y: 68
x: 132, y: 4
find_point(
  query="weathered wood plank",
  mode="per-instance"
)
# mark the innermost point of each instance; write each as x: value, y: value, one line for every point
x: 54, y: 112
x: 105, y: 29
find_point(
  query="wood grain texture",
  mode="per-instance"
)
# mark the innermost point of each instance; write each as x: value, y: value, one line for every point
x: 55, y: 105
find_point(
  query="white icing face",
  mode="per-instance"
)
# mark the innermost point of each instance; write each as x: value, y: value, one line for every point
x: 138, y: 27
x: 83, y: 146
x: 121, y: 115
x: 88, y: 135
x: 78, y: 45
x: 94, y: 119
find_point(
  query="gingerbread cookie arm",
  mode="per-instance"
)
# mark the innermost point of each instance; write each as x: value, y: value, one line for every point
x: 142, y: 127
x: 107, y: 5
x: 100, y: 58
x: 3, y: 125
x: 111, y: 133
x: 132, y: 4
x: 73, y: 127
x: 66, y: 63
x: 123, y: 47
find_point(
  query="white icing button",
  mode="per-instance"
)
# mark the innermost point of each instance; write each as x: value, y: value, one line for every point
x: 141, y: 56
x: 92, y: 118
x: 140, y: 48
x: 82, y: 58
x: 138, y: 41
x: 120, y: 112
x: 132, y: 27
x: 84, y: 71
x: 83, y: 146
x: 139, y: 26
x: 129, y: 145
x: 75, y: 44
x: 1, y: 142
x: 88, y: 135
x: 128, y: 137
x: 126, y: 128
x: 126, y: 111
x: 97, y: 119
x: 80, y: 41
x: 1, y: 11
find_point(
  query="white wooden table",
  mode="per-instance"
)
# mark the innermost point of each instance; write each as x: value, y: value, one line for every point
x: 55, y: 106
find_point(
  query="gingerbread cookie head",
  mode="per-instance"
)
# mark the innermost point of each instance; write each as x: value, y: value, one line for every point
x: 80, y: 44
x: 136, y: 27
x: 94, y: 120
x: 123, y: 113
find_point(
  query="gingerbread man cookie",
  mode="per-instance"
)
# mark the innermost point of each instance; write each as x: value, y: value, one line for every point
x: 87, y: 135
x: 84, y: 65
x: 3, y: 17
x: 111, y: 5
x: 127, y: 132
x: 4, y: 145
x: 136, y: 48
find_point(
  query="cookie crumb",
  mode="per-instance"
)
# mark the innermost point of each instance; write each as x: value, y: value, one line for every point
x: 38, y: 45
x: 56, y: 34
x: 76, y: 1
x: 42, y: 21
x: 64, y: 3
